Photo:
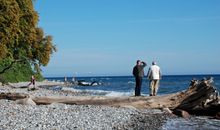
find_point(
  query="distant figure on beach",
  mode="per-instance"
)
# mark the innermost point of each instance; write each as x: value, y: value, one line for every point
x: 32, y: 81
x: 138, y: 72
x: 154, y: 75
x: 65, y: 79
x: 73, y: 79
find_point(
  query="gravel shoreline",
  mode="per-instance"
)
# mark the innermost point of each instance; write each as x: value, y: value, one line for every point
x: 67, y: 117
x: 80, y: 117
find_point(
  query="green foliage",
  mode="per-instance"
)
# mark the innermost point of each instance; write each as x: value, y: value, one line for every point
x: 20, y: 37
x: 19, y: 72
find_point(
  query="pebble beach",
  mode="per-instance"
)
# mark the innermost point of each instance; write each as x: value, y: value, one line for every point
x: 68, y: 117
x: 59, y: 116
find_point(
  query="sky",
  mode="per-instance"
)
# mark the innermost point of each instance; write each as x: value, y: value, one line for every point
x: 106, y: 37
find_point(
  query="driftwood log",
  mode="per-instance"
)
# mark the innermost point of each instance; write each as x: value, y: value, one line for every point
x: 200, y: 98
x: 13, y: 96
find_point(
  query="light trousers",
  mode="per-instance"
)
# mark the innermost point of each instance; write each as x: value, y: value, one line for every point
x: 154, y: 85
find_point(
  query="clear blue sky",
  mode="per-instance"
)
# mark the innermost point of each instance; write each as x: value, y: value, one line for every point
x: 106, y: 37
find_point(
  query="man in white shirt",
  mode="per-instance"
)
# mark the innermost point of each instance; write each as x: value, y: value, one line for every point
x: 154, y: 75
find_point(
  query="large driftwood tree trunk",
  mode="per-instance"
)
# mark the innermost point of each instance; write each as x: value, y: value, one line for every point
x: 201, y: 96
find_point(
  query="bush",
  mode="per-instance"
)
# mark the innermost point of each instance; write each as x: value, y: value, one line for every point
x: 18, y: 73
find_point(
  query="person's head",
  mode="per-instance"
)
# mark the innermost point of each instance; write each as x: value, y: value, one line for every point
x: 138, y: 62
x: 154, y: 63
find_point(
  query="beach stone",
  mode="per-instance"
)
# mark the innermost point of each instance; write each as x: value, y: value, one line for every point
x: 131, y: 107
x: 217, y: 115
x: 32, y: 88
x: 181, y: 113
x: 167, y: 110
x: 26, y: 101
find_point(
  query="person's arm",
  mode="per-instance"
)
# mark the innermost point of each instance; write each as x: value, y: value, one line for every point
x: 160, y: 74
x: 134, y: 72
x: 144, y: 64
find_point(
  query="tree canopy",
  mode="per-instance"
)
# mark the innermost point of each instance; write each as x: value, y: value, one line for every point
x: 21, y: 39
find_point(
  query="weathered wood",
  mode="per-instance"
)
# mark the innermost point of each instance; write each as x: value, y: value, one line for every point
x: 200, y: 98
x: 13, y: 96
x: 137, y: 102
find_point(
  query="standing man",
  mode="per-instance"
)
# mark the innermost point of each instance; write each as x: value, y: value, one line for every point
x: 138, y: 72
x: 154, y: 75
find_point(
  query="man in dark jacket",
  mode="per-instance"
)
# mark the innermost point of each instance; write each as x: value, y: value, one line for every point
x: 138, y: 72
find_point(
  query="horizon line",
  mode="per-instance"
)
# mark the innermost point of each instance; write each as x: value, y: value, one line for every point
x: 131, y: 75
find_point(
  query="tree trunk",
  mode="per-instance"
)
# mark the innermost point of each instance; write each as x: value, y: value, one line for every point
x: 201, y: 98
x: 137, y: 102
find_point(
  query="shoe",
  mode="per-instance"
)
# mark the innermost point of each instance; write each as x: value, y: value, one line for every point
x: 151, y: 94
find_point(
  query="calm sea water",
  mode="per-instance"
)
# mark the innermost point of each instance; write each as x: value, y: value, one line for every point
x: 124, y: 85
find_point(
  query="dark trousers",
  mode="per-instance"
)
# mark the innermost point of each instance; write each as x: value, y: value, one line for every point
x: 138, y: 86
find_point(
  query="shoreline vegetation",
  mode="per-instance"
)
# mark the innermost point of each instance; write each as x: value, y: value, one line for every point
x: 24, y: 47
x: 43, y: 108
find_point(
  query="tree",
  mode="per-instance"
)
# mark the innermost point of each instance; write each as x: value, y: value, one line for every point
x: 21, y: 40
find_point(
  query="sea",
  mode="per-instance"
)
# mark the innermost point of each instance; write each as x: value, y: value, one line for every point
x: 124, y: 86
